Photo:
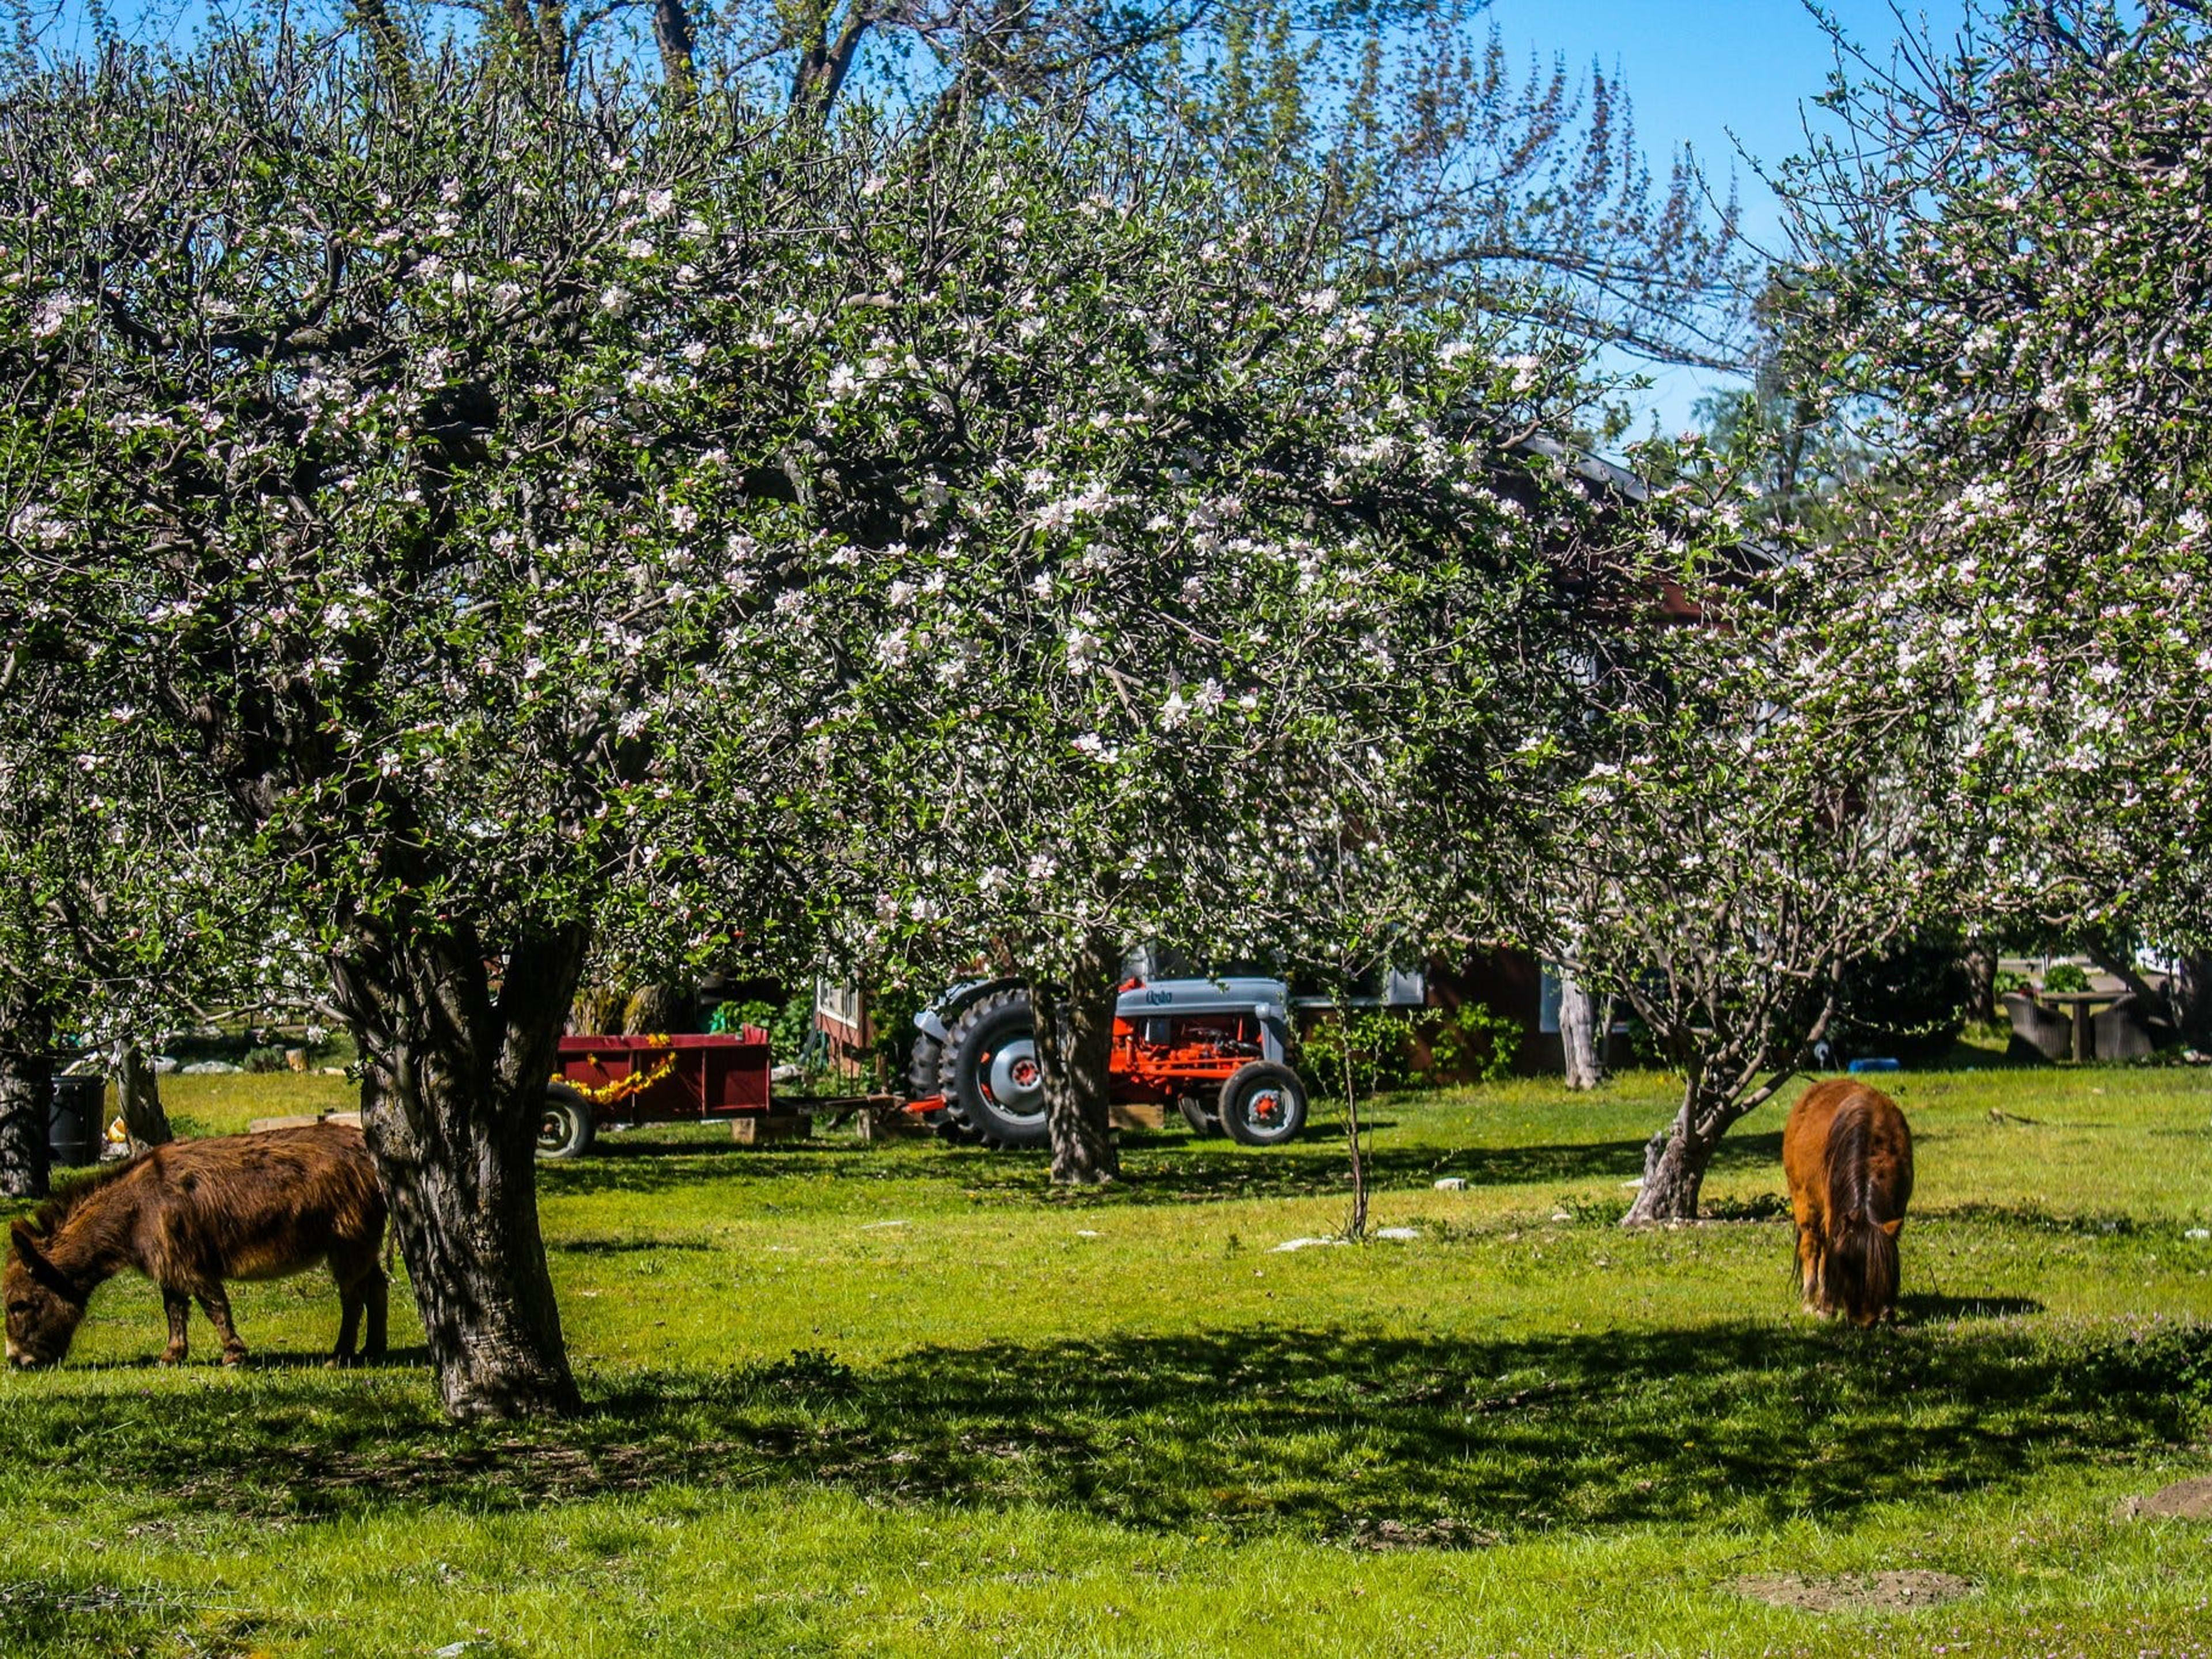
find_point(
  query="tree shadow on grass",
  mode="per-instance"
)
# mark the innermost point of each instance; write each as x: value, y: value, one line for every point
x: 1315, y: 1433
x: 1157, y: 1169
x: 1926, y: 1308
x: 210, y: 1358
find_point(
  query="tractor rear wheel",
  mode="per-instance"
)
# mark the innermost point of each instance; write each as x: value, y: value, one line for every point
x: 991, y: 1076
x: 921, y: 1081
x: 565, y: 1127
x: 1204, y: 1124
x: 1263, y: 1104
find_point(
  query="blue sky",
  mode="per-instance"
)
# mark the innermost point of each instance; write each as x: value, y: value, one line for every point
x: 1713, y: 75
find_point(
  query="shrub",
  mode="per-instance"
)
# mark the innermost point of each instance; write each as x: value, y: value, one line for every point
x: 1375, y: 1041
x: 1468, y: 1042
x: 1909, y: 1002
x: 2065, y: 976
x: 730, y: 1016
x: 265, y: 1059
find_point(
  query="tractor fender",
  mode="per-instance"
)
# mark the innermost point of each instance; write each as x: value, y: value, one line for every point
x: 937, y: 1019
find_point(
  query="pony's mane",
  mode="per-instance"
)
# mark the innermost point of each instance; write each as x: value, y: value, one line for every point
x: 1849, y: 1174
x: 69, y: 1197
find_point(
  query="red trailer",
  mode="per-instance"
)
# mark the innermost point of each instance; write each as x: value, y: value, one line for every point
x: 683, y: 1079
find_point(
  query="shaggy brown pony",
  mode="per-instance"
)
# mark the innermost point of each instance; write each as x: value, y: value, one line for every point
x: 190, y: 1215
x: 1848, y: 1153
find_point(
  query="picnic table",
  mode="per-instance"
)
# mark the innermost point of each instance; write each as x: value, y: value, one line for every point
x: 2078, y: 1004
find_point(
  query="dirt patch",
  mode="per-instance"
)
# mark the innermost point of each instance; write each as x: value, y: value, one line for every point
x: 2184, y: 1500
x: 1854, y: 1592
x: 1441, y: 1534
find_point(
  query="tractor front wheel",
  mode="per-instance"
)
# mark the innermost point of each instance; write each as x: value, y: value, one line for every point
x: 1263, y: 1104
x: 565, y: 1127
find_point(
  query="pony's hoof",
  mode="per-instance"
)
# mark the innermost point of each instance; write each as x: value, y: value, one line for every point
x: 232, y: 1357
x: 171, y: 1357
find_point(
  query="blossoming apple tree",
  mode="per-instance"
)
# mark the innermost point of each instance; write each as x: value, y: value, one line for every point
x: 1723, y: 818
x: 1189, y: 529
x: 2005, y: 272
x: 407, y: 457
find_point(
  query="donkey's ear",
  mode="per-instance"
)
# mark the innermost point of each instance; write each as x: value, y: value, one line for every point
x: 26, y: 1241
x: 1891, y: 1226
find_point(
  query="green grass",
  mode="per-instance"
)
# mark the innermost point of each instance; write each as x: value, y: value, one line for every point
x: 905, y: 1400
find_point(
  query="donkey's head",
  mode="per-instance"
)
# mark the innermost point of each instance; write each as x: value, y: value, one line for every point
x: 43, y: 1303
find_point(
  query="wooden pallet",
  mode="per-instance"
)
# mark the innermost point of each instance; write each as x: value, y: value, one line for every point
x: 765, y: 1131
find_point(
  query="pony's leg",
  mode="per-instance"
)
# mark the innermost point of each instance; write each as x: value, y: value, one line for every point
x: 1809, y: 1267
x: 179, y: 1306
x: 216, y: 1305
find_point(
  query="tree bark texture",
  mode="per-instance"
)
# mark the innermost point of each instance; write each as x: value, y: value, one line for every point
x: 138, y: 1093
x: 27, y: 1093
x: 2192, y: 1000
x: 1677, y: 1158
x: 1075, y: 1045
x: 1578, y: 1035
x: 1981, y: 982
x: 449, y: 1105
x: 673, y: 35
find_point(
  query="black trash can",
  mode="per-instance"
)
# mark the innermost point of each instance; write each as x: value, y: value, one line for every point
x: 75, y: 1128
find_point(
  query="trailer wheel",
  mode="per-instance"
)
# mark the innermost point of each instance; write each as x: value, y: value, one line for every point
x: 1204, y: 1124
x: 1263, y: 1104
x: 992, y: 1081
x: 565, y: 1127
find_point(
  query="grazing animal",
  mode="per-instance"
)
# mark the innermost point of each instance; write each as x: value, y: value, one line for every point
x: 193, y: 1213
x: 1848, y: 1153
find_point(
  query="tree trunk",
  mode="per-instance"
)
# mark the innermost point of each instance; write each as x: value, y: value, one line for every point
x: 1578, y: 1035
x: 138, y: 1093
x: 1982, y: 982
x: 1676, y: 1158
x: 450, y: 1104
x: 1355, y: 1223
x: 27, y: 1093
x: 2192, y: 1000
x: 1075, y: 1045
x: 673, y: 33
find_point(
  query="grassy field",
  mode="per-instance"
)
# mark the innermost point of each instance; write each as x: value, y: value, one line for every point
x: 904, y: 1400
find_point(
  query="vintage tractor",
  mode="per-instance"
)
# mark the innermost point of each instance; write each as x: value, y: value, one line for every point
x: 1215, y: 1050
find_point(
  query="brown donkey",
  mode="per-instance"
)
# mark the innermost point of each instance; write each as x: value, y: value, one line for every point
x: 193, y: 1213
x: 1848, y: 1157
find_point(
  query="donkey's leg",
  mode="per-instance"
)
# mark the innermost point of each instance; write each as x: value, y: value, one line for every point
x: 179, y: 1306
x: 376, y: 1292
x: 216, y: 1305
x: 362, y: 1289
x: 349, y: 1304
